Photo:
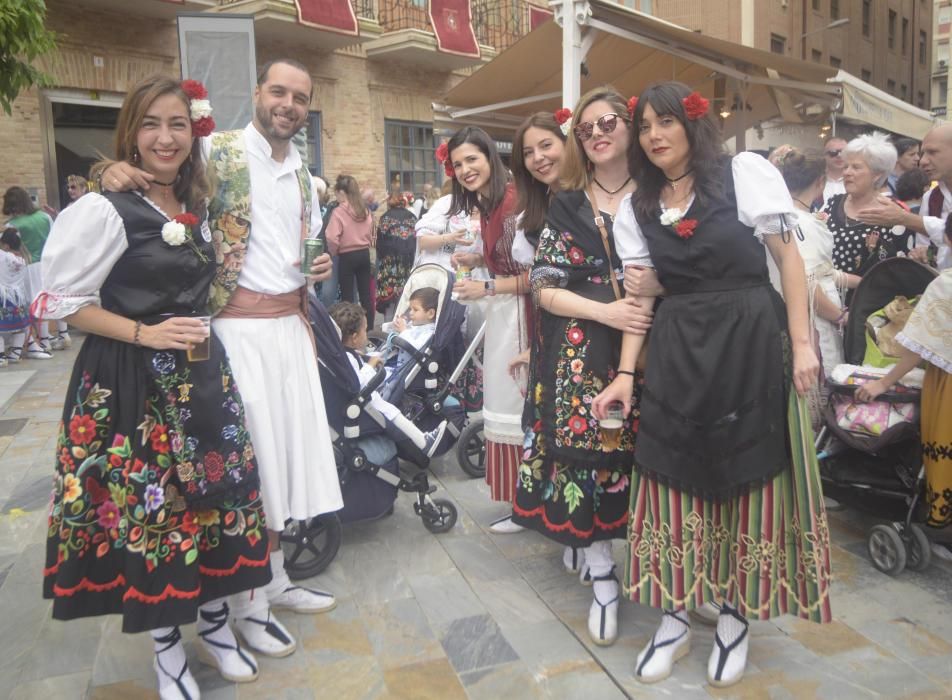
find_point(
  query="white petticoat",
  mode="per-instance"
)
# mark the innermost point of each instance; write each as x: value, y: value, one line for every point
x: 274, y: 366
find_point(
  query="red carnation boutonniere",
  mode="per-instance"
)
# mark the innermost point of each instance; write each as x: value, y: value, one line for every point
x: 443, y: 155
x: 674, y: 218
x: 632, y: 106
x: 180, y: 230
x: 562, y: 116
x: 695, y: 106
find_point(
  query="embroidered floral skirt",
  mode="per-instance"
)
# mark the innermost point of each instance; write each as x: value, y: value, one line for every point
x: 468, y: 389
x: 767, y: 552
x: 13, y: 317
x: 937, y: 444
x: 140, y: 430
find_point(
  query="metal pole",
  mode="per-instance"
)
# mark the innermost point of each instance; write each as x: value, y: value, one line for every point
x: 572, y: 14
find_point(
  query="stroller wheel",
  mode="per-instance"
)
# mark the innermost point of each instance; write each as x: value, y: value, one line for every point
x: 471, y: 450
x: 310, y: 545
x: 918, y: 549
x: 439, y: 515
x: 886, y: 549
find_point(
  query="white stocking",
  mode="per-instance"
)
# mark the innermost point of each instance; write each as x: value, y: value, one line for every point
x: 729, y: 628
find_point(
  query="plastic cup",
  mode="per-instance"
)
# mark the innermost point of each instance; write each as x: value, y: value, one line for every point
x: 609, y: 427
x: 200, y: 351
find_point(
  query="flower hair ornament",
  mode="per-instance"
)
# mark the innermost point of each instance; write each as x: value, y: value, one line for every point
x: 563, y: 116
x: 443, y: 155
x: 200, y: 109
x: 695, y: 106
x: 632, y: 106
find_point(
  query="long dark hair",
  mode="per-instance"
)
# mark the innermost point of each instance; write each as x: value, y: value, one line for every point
x: 707, y: 150
x: 191, y: 186
x: 11, y: 239
x: 533, y: 199
x: 464, y: 200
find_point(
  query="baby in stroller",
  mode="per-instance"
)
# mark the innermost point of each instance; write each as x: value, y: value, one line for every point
x: 417, y: 326
x: 352, y: 321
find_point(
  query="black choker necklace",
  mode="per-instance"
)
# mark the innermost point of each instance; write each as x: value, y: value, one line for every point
x: 165, y: 184
x: 608, y: 191
x: 802, y: 203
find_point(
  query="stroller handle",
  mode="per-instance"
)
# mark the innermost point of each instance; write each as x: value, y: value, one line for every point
x: 373, y: 384
x: 887, y: 396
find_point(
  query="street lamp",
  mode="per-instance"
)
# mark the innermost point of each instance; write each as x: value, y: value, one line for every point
x: 832, y: 25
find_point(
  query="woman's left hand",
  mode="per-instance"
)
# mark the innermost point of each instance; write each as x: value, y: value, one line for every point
x: 469, y: 260
x: 642, y: 282
x: 469, y: 290
x: 516, y: 364
x: 806, y: 368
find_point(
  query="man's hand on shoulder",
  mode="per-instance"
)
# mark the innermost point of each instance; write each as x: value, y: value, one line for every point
x: 122, y: 177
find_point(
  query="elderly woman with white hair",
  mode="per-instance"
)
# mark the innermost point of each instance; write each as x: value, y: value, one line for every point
x: 857, y: 246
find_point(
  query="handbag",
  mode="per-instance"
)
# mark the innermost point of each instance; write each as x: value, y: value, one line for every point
x: 642, y: 360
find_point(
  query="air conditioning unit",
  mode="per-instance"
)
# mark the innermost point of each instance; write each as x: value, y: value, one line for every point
x: 943, y: 63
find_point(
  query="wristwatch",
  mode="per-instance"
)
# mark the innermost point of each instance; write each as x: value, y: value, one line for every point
x: 490, y: 287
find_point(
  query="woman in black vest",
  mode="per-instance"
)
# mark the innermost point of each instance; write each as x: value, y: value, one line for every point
x: 156, y: 514
x: 726, y: 504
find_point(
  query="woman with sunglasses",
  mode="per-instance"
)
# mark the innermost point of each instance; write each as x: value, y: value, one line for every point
x: 570, y: 488
x: 481, y: 183
x: 726, y: 503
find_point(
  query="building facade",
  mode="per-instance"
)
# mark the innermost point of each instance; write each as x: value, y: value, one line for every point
x: 941, y: 30
x: 372, y: 110
x: 886, y: 43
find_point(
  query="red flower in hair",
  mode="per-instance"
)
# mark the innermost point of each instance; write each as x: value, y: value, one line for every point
x: 563, y: 115
x: 203, y: 127
x: 632, y: 104
x: 695, y: 106
x: 685, y: 227
x: 443, y: 155
x: 195, y: 90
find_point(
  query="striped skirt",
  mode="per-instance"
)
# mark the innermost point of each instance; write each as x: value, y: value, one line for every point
x: 766, y: 552
x: 502, y: 466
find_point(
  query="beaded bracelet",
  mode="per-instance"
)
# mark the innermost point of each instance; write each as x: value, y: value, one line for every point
x: 135, y: 337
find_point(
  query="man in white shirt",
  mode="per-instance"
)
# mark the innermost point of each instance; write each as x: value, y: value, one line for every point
x: 268, y: 342
x: 929, y: 225
x: 832, y: 152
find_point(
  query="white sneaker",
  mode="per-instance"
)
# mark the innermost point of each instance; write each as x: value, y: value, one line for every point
x: 573, y: 558
x: 603, y: 616
x: 727, y: 662
x: 13, y: 355
x: 36, y: 352
x: 266, y: 635
x: 657, y: 659
x: 303, y: 600
x: 505, y: 526
x: 3, y: 361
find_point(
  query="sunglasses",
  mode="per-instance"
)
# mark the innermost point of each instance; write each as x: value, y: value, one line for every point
x: 834, y: 154
x: 606, y: 123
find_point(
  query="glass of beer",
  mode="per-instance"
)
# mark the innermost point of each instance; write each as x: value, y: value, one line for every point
x: 200, y: 351
x: 609, y: 427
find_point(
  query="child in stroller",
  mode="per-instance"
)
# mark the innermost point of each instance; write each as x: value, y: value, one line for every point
x: 415, y: 327
x: 352, y: 322
x: 878, y: 453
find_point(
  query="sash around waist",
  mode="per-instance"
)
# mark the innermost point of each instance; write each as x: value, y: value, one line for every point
x: 245, y: 303
x: 726, y: 284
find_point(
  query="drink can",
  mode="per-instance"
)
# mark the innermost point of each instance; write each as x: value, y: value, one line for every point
x: 311, y: 250
x: 463, y: 273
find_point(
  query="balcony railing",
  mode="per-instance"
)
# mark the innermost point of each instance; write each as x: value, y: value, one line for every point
x: 395, y: 15
x: 500, y: 23
x: 365, y: 9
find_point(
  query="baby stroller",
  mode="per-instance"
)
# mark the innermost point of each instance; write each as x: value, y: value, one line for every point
x: 887, y: 465
x: 372, y: 466
x: 421, y: 386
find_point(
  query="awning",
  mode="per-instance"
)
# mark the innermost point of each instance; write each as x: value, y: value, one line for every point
x: 631, y: 50
x: 864, y: 103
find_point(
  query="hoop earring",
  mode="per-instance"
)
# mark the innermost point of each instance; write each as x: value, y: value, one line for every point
x: 135, y: 154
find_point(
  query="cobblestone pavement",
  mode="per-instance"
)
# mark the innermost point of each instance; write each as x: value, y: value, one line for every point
x: 464, y: 614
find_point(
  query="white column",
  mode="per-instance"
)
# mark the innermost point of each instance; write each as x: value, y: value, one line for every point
x: 572, y: 15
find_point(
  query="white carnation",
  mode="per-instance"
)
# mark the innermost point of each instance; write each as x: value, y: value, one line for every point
x: 200, y: 109
x: 565, y: 126
x: 173, y: 233
x: 669, y: 217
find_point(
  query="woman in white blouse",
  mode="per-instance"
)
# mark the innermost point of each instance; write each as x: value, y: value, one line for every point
x: 726, y: 504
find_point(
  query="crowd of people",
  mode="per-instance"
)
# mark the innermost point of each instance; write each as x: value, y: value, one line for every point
x: 657, y: 315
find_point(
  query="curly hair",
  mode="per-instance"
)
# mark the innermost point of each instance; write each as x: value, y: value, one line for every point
x: 707, y: 150
x: 348, y: 316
